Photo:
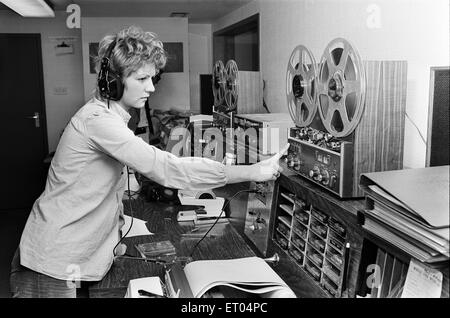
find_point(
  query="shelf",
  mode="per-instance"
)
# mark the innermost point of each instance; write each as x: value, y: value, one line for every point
x: 329, y: 288
x: 283, y: 235
x: 318, y: 216
x: 310, y: 268
x: 278, y: 243
x: 314, y: 231
x: 299, y: 234
x: 285, y: 220
x: 337, y: 235
x: 335, y: 278
x: 287, y: 208
x: 293, y: 253
x: 287, y: 197
x: 312, y: 245
x: 297, y: 247
x: 334, y: 248
x: 330, y: 259
x: 337, y: 232
x: 295, y: 216
x: 313, y: 261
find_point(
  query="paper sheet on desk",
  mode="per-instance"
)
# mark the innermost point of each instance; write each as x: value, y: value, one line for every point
x: 150, y: 284
x: 139, y: 227
x: 422, y: 282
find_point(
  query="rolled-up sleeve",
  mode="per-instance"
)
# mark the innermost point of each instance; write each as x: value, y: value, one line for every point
x: 109, y: 134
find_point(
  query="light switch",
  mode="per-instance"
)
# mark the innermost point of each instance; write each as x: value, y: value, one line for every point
x: 60, y: 90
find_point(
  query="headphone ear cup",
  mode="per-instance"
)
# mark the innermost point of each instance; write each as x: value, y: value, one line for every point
x: 109, y: 83
x: 115, y: 86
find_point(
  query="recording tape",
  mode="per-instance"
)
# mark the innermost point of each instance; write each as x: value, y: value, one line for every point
x: 341, y: 88
x: 205, y: 195
x: 301, y: 81
x: 232, y: 85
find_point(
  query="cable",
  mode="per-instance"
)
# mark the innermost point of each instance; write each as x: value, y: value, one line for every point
x: 217, y: 219
x: 131, y: 211
x: 417, y: 128
x: 264, y: 102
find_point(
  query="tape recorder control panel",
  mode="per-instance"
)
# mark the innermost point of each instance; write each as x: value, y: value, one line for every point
x: 324, y: 165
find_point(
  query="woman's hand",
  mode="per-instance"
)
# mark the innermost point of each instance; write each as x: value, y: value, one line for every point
x: 268, y: 169
x: 265, y: 170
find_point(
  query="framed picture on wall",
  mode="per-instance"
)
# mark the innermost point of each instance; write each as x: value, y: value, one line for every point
x: 93, y: 51
x: 175, y: 57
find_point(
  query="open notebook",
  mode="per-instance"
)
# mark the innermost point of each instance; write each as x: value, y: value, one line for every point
x: 250, y: 274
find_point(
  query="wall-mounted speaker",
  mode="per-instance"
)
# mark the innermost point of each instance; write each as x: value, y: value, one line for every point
x: 438, y: 118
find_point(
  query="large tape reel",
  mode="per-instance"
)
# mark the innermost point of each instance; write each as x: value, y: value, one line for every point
x: 232, y: 85
x: 301, y: 81
x: 218, y: 83
x: 341, y: 88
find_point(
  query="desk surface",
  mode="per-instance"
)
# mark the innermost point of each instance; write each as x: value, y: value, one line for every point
x: 162, y: 222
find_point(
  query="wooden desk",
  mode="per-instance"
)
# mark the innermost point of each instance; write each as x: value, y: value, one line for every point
x: 162, y: 222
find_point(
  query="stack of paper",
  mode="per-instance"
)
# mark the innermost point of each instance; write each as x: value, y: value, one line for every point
x: 410, y: 209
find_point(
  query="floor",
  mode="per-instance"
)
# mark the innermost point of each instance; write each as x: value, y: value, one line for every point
x: 11, y: 227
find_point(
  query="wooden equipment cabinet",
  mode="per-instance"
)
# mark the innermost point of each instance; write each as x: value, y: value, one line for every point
x: 310, y: 228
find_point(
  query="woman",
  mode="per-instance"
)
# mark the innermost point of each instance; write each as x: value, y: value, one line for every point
x: 75, y: 223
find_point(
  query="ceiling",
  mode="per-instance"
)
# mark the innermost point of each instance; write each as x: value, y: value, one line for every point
x: 199, y: 11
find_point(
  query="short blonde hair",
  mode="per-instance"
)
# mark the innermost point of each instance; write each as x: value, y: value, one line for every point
x: 133, y: 48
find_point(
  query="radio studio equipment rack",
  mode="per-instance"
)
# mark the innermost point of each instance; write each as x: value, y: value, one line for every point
x: 349, y: 116
x: 267, y: 135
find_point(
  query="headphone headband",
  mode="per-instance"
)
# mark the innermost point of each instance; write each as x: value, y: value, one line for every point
x: 110, y: 49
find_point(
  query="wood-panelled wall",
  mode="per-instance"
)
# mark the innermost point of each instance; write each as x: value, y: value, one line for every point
x: 379, y: 137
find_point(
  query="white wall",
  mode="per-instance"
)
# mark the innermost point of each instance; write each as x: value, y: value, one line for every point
x: 200, y: 59
x: 173, y: 90
x: 60, y: 71
x: 417, y: 31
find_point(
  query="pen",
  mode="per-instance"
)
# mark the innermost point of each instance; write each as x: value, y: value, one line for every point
x: 208, y: 218
x: 346, y: 264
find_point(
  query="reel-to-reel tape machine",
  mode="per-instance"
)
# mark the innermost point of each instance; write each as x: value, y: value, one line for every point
x: 349, y: 116
x: 235, y: 92
x: 225, y: 85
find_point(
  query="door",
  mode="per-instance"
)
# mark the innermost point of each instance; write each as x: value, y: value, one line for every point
x: 22, y: 121
x: 206, y: 95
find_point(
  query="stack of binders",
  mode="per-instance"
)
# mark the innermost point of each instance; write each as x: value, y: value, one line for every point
x: 410, y: 209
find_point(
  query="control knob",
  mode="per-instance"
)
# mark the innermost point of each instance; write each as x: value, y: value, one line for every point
x: 314, y: 173
x: 333, y: 180
x: 325, y: 177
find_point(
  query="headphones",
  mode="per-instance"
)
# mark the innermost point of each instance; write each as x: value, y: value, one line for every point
x: 109, y: 82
